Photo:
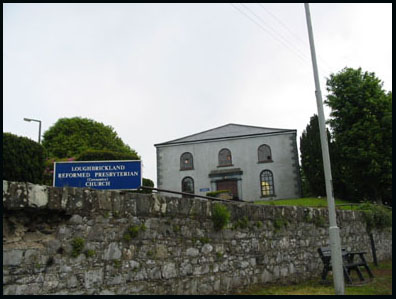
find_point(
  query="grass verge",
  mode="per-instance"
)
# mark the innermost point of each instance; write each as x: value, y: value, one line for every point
x: 307, y: 202
x: 381, y: 284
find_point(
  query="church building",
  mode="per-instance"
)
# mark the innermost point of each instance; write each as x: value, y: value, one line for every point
x: 253, y: 163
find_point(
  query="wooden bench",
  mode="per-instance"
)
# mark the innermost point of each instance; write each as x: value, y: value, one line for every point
x: 349, y: 263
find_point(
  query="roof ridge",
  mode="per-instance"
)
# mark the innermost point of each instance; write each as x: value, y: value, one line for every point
x: 197, y: 133
x: 258, y: 127
x: 183, y: 139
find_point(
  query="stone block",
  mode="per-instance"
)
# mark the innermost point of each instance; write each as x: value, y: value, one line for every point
x: 206, y: 249
x: 144, y: 203
x: 184, y: 207
x: 93, y: 278
x: 266, y: 276
x: 54, y: 198
x: 19, y: 289
x: 161, y: 251
x: 192, y: 252
x: 31, y: 256
x: 129, y: 205
x: 37, y: 196
x: 169, y: 271
x: 16, y: 196
x: 73, y: 200
x: 172, y: 206
x: 201, y: 269
x: 12, y: 257
x: 154, y: 273
x: 112, y: 252
x: 76, y: 219
x: 186, y: 268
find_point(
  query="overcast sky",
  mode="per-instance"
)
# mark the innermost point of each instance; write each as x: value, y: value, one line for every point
x: 157, y: 72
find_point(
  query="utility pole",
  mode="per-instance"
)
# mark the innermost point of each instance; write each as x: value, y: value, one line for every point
x: 334, y: 231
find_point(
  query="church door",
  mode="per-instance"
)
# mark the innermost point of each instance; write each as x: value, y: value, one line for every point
x: 230, y: 185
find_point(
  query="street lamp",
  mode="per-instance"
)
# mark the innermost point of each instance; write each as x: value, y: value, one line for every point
x: 334, y: 231
x: 39, y: 121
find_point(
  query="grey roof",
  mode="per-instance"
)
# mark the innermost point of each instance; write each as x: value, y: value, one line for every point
x: 226, y: 131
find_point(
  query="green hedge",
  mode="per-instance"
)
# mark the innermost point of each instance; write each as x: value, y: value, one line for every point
x: 215, y: 193
x: 23, y: 159
x: 146, y: 183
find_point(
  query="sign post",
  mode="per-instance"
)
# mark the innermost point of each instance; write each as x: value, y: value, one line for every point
x: 110, y: 175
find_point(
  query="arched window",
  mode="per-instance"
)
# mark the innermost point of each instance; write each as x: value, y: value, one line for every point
x: 187, y: 186
x: 186, y: 161
x: 267, y: 183
x: 264, y: 153
x: 225, y: 158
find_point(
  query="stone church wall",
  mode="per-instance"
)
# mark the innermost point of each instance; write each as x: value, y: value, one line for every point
x: 81, y: 241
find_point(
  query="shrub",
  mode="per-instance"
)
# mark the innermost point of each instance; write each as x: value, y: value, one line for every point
x: 78, y: 246
x: 376, y: 216
x: 133, y: 231
x: 23, y: 159
x: 280, y: 223
x: 117, y: 263
x: 215, y: 193
x: 147, y: 183
x: 241, y: 223
x: 318, y: 221
x: 48, y: 176
x: 219, y: 256
x: 220, y: 216
x: 204, y: 240
x: 90, y: 253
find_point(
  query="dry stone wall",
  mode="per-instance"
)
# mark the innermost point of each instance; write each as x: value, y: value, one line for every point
x: 82, y: 241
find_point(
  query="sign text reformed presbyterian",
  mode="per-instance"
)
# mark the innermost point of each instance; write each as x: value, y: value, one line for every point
x: 98, y: 175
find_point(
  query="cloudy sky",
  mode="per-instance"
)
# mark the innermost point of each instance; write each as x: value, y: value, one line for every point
x: 157, y: 72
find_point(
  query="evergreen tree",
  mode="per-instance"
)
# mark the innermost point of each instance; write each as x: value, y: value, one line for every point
x: 311, y: 158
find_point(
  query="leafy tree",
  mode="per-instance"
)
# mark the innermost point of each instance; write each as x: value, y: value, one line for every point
x: 103, y: 155
x: 361, y: 122
x: 70, y: 137
x: 23, y: 159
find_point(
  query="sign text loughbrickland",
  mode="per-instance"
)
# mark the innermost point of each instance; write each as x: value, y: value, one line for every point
x: 98, y: 175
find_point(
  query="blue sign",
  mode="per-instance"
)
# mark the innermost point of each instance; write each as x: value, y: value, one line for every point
x: 204, y: 189
x: 114, y: 175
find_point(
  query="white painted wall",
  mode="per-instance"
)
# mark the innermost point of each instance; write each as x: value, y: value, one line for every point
x: 244, y: 156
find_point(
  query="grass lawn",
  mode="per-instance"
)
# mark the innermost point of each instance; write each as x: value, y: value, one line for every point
x: 307, y: 202
x: 381, y: 284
